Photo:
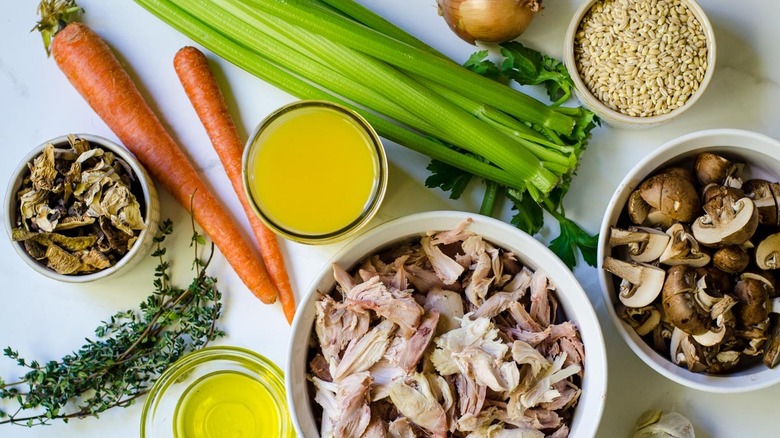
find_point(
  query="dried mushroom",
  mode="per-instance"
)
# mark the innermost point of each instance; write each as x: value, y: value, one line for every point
x: 708, y: 300
x: 77, y: 210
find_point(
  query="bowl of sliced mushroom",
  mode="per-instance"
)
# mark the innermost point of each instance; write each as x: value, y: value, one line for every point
x: 689, y: 251
x: 80, y: 208
x: 446, y: 324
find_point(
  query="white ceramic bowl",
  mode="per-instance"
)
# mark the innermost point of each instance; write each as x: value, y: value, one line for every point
x: 150, y: 210
x: 617, y: 118
x: 762, y: 155
x: 530, y: 252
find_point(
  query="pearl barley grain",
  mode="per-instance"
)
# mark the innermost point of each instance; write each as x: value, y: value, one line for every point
x: 642, y: 58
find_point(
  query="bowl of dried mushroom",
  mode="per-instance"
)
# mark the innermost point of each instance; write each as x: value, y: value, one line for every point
x: 446, y: 324
x: 639, y: 64
x: 81, y: 208
x: 689, y: 252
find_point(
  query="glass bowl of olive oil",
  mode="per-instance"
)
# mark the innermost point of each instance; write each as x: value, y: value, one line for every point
x: 218, y: 392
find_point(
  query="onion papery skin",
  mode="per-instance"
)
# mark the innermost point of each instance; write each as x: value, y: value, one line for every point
x: 489, y: 21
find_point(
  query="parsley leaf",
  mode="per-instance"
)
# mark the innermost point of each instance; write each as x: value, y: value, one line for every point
x: 530, y: 67
x: 478, y: 64
x: 448, y: 178
x: 571, y: 239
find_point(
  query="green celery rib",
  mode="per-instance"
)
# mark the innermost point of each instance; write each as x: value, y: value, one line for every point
x: 234, y: 22
x: 260, y: 67
x: 366, y: 16
x: 455, y: 125
x: 342, y: 30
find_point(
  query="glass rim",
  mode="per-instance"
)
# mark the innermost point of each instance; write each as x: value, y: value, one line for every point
x: 273, y: 383
x: 374, y: 201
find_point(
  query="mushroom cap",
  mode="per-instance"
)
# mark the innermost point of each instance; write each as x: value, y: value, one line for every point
x: 711, y: 168
x: 768, y: 252
x: 731, y: 259
x: 726, y: 222
x: 752, y: 301
x: 679, y: 301
x: 673, y: 195
x: 714, y: 190
x: 682, y: 249
x: 637, y: 208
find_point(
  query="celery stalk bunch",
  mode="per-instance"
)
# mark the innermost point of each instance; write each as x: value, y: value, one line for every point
x: 467, y: 119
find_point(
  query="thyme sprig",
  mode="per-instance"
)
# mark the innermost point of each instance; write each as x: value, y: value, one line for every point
x: 131, y: 351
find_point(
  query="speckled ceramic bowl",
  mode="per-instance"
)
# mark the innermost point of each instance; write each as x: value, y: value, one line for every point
x: 617, y: 118
x: 762, y: 156
x: 150, y: 210
x: 530, y: 252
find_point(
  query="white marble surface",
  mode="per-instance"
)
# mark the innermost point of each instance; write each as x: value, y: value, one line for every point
x: 45, y: 320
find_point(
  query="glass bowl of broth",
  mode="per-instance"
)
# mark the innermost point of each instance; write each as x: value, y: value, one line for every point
x: 314, y: 171
x: 218, y: 392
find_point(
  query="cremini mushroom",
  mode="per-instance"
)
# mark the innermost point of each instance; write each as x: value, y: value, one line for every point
x: 712, y: 191
x: 642, y: 319
x: 768, y: 252
x: 731, y: 259
x: 673, y: 195
x: 637, y: 208
x: 641, y: 282
x: 764, y: 195
x: 656, y: 218
x: 680, y: 304
x: 714, y: 169
x: 752, y: 301
x: 645, y: 245
x: 726, y: 222
x: 682, y: 249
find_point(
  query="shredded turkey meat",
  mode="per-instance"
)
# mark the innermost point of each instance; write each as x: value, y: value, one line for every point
x: 447, y: 335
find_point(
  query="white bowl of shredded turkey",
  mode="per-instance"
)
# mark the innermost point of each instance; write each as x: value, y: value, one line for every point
x: 446, y: 324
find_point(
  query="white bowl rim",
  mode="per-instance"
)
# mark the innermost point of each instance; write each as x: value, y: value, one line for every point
x: 704, y: 139
x: 145, y: 182
x: 594, y: 385
x: 616, y: 117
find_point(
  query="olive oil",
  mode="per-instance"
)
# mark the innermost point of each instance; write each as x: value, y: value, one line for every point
x: 313, y: 171
x: 227, y: 404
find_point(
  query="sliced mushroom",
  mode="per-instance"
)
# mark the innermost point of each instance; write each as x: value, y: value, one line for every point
x: 731, y: 259
x: 726, y: 222
x: 642, y: 319
x: 679, y: 301
x: 637, y: 208
x: 714, y: 335
x: 764, y: 196
x: 752, y: 301
x: 684, y: 351
x: 644, y: 244
x: 682, y: 249
x: 641, y: 282
x: 772, y: 352
x: 768, y: 252
x: 673, y: 195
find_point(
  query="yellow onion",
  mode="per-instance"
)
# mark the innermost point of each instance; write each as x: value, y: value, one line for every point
x: 490, y: 21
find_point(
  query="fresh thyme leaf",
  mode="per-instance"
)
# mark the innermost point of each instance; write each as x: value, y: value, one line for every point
x: 530, y: 67
x: 132, y: 349
x: 448, y: 178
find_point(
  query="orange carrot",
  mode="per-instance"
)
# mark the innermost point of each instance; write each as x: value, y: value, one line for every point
x: 90, y: 65
x: 201, y: 87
